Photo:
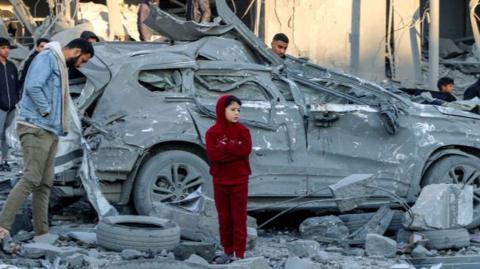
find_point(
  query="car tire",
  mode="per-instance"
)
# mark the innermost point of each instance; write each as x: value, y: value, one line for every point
x: 357, y: 221
x: 143, y: 233
x: 447, y: 239
x: 449, y: 170
x: 159, y: 172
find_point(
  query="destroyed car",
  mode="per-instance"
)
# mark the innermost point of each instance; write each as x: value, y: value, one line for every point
x: 146, y: 107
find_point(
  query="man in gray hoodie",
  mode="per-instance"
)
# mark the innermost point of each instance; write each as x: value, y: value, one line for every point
x: 43, y: 117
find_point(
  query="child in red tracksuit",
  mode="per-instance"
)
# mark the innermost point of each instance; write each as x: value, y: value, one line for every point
x: 229, y: 145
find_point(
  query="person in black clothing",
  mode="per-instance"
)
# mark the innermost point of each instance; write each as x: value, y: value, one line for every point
x: 446, y: 86
x: 9, y: 97
x: 472, y: 91
x: 39, y: 47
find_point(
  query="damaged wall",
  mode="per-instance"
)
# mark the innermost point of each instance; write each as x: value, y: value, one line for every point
x: 356, y: 45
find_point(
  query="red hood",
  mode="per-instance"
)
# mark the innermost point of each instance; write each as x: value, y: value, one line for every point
x: 220, y: 110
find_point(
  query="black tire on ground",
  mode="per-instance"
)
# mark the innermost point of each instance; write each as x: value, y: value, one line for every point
x: 170, y: 176
x: 137, y: 232
x: 447, y: 239
x: 457, y: 169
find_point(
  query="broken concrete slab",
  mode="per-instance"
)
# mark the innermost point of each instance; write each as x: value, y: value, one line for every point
x: 188, y: 248
x: 83, y: 237
x: 324, y: 229
x: 303, y: 248
x: 447, y: 239
x: 46, y: 238
x: 455, y: 262
x: 38, y: 250
x: 420, y: 251
x: 402, y: 266
x: 76, y: 261
x: 378, y: 224
x: 251, y: 263
x: 441, y: 206
x: 195, y: 259
x: 377, y: 245
x: 301, y: 263
x: 352, y: 191
x: 132, y: 254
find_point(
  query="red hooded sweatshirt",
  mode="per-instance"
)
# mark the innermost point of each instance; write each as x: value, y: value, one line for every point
x: 228, y: 147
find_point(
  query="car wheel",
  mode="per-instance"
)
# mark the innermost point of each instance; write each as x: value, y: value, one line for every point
x: 458, y: 170
x: 171, y: 177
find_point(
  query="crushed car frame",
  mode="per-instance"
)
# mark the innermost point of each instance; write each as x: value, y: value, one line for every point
x: 146, y: 107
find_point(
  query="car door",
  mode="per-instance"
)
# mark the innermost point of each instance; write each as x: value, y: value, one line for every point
x: 275, y: 125
x: 346, y: 136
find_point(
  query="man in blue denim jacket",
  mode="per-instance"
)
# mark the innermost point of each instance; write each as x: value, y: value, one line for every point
x: 43, y: 117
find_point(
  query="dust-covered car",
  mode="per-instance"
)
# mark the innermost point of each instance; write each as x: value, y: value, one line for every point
x: 146, y: 107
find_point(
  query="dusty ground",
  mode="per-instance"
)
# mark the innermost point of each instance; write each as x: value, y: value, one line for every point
x: 271, y: 244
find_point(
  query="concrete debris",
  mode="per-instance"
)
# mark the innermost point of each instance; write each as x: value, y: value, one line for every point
x: 441, y: 206
x: 83, y: 237
x: 403, y: 236
x: 188, y: 248
x: 46, y: 238
x: 195, y: 259
x: 132, y: 254
x: 402, y: 266
x: 378, y: 224
x: 303, y: 248
x: 76, y: 261
x: 301, y: 263
x: 377, y: 245
x: 420, y: 251
x: 447, y: 239
x: 358, y: 252
x: 250, y: 263
x: 8, y: 245
x: 38, y: 250
x: 352, y: 191
x: 324, y: 229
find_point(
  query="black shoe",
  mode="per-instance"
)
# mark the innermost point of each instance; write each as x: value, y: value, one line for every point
x: 6, y: 166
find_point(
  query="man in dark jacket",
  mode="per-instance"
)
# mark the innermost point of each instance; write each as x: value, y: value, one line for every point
x: 9, y: 97
x: 472, y: 91
x: 39, y: 47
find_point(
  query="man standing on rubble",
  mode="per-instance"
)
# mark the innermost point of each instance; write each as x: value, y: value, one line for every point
x: 9, y: 97
x: 199, y: 11
x: 143, y: 12
x: 43, y: 117
x: 39, y: 47
x: 280, y: 45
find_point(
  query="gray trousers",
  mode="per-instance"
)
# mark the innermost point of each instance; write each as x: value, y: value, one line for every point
x: 6, y: 119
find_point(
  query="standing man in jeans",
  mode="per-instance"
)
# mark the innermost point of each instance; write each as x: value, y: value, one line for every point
x: 9, y: 97
x: 43, y: 117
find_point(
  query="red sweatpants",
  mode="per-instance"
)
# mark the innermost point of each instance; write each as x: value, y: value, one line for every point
x: 231, y: 202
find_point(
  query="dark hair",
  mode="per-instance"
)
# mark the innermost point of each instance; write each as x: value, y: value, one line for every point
x: 41, y: 40
x: 4, y: 42
x: 89, y: 34
x: 232, y: 99
x: 444, y: 82
x: 281, y: 37
x: 81, y: 44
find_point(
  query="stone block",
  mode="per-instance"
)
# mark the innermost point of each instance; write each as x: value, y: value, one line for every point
x: 377, y: 245
x: 441, y: 206
x: 301, y: 263
x: 303, y: 248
